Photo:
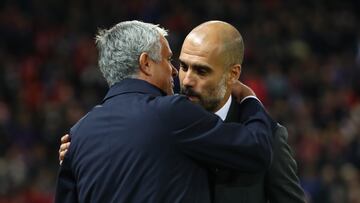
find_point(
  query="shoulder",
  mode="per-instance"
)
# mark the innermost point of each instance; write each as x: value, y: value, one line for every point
x: 177, y: 104
x: 281, y: 148
x: 78, y: 124
x: 178, y: 112
x: 280, y: 132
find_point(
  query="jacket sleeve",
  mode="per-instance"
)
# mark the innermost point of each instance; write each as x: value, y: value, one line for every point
x: 204, y: 137
x: 66, y: 190
x: 282, y: 183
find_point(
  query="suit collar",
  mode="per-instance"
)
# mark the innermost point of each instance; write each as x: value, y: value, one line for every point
x: 233, y: 114
x: 133, y: 86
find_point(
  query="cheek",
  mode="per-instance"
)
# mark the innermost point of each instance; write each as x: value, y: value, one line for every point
x: 166, y: 70
x: 201, y: 89
x: 208, y: 88
x: 170, y: 70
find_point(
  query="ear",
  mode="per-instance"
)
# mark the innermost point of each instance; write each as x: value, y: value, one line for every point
x: 144, y: 64
x: 234, y: 73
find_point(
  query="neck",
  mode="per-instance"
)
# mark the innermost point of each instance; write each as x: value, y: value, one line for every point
x: 222, y: 103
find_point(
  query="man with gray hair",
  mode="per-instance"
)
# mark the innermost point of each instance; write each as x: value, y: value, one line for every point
x: 140, y: 145
x: 121, y: 47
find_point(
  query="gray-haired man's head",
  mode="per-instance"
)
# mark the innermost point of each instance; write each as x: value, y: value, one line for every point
x: 121, y: 46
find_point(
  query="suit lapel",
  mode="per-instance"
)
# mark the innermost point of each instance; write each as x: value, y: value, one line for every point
x: 233, y: 114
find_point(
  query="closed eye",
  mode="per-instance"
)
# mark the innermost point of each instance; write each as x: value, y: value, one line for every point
x: 183, y: 66
x: 202, y: 70
x: 199, y: 69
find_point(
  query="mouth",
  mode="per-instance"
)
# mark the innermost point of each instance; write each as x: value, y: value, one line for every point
x: 190, y: 94
x: 192, y: 98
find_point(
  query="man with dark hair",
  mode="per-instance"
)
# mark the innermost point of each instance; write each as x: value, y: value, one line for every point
x: 210, y: 63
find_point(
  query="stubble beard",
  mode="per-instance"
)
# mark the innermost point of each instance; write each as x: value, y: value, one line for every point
x: 207, y: 101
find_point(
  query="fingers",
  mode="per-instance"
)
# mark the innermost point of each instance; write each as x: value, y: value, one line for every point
x: 240, y: 91
x: 62, y: 151
x: 237, y: 91
x: 65, y: 138
x: 64, y: 146
x: 248, y: 90
x: 62, y: 155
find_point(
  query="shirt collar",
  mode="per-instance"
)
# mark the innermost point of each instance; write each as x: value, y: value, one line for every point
x: 222, y: 113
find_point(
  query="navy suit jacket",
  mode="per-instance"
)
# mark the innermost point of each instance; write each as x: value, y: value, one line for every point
x: 142, y: 146
x: 278, y: 184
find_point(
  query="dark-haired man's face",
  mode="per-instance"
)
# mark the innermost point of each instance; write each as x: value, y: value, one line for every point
x: 203, y: 78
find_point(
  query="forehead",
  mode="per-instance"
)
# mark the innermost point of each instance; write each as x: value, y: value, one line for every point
x: 207, y: 54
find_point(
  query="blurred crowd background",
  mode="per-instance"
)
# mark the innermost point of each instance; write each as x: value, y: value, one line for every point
x: 302, y: 58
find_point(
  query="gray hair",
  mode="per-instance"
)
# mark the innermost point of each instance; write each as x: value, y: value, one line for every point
x: 121, y: 46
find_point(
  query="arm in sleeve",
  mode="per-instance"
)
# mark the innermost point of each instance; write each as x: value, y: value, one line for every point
x: 204, y: 137
x: 66, y: 190
x: 282, y: 183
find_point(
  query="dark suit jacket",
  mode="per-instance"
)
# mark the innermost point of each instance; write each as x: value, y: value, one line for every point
x: 140, y: 146
x: 279, y: 184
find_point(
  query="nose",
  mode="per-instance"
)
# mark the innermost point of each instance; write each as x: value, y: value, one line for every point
x: 188, y: 79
